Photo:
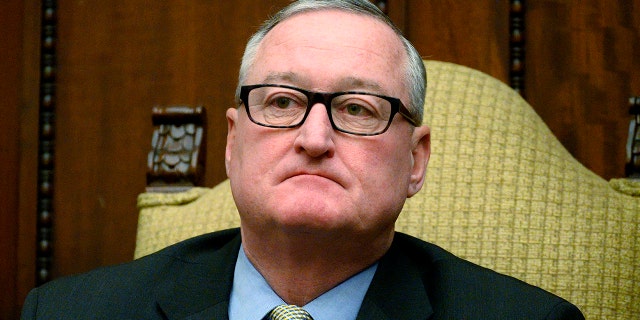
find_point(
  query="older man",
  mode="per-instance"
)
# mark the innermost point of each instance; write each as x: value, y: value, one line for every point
x: 322, y: 152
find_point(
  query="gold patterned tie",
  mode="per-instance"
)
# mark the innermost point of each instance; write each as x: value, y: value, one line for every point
x: 289, y: 312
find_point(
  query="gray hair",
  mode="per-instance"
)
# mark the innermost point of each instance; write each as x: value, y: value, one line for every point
x: 415, y: 73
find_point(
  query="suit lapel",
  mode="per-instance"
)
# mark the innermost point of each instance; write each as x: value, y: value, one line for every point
x: 397, y: 290
x: 199, y: 284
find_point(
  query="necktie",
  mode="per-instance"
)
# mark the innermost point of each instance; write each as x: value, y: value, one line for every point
x: 289, y: 312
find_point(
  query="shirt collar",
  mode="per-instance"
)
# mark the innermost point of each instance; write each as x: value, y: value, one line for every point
x: 253, y: 298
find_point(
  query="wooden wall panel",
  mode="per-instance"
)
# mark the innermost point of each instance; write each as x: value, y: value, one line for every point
x: 471, y: 33
x: 28, y: 141
x: 19, y: 50
x: 10, y: 53
x: 582, y: 67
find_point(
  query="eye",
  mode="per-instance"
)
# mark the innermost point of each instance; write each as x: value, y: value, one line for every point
x: 359, y: 110
x: 282, y: 102
x: 354, y: 109
x: 357, y: 106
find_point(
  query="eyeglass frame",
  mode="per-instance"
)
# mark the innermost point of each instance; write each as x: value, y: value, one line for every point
x: 325, y: 98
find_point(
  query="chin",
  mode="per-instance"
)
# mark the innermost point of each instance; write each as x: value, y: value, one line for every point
x: 314, y: 217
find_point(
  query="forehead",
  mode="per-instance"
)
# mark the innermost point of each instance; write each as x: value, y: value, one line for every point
x: 323, y: 49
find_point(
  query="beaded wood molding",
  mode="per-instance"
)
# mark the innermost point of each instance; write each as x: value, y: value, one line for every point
x: 632, y: 168
x: 516, y: 45
x: 46, y: 140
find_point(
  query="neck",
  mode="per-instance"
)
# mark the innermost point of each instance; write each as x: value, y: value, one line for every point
x: 301, y: 267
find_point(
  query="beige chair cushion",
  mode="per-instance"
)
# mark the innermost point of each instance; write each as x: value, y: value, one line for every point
x: 501, y: 191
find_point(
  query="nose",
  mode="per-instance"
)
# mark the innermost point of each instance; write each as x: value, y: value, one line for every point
x: 315, y: 135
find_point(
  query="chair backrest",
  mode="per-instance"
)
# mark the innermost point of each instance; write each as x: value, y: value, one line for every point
x: 501, y: 191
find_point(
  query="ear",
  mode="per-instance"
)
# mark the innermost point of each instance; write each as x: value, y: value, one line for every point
x: 232, y: 116
x: 421, y: 143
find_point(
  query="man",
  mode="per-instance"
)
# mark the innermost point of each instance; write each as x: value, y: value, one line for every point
x: 322, y: 152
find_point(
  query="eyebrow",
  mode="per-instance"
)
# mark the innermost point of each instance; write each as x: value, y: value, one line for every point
x: 289, y: 77
x: 360, y: 83
x: 344, y: 84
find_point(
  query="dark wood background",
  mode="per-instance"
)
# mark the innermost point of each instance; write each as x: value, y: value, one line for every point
x: 116, y: 59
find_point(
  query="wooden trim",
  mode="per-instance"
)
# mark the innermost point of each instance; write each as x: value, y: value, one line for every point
x: 516, y: 45
x: 632, y: 169
x: 46, y: 140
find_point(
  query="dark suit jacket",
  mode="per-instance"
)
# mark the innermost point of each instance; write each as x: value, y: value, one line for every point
x: 192, y: 280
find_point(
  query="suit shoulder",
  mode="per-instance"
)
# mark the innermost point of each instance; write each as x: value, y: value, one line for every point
x: 126, y: 285
x: 469, y: 289
x: 152, y: 266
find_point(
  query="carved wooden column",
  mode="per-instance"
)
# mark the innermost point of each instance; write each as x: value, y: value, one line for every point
x: 516, y: 45
x: 632, y: 169
x: 46, y: 138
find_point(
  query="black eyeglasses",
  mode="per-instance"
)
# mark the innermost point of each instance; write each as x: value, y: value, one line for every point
x: 359, y: 113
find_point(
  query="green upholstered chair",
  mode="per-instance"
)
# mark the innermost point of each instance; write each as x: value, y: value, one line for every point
x: 501, y: 191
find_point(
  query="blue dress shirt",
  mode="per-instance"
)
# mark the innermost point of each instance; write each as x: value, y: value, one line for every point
x: 252, y: 297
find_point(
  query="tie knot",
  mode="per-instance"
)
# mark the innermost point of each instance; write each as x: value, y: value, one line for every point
x: 289, y: 312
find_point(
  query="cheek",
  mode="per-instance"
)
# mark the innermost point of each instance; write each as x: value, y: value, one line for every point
x: 256, y: 153
x: 386, y: 171
x: 250, y: 165
x: 384, y: 188
x: 247, y: 159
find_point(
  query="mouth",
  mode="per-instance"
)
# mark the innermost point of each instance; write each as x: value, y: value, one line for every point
x: 315, y: 175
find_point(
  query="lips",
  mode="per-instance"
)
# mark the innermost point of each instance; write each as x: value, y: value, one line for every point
x: 331, y: 177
